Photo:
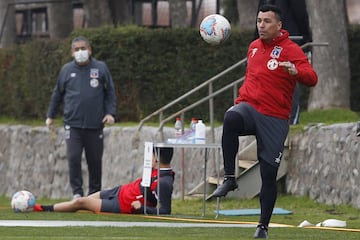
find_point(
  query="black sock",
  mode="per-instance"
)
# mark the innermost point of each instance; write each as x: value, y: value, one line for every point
x: 268, y: 192
x: 233, y: 127
x: 48, y: 208
x: 262, y: 226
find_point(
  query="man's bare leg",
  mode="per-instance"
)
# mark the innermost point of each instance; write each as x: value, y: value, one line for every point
x: 84, y: 203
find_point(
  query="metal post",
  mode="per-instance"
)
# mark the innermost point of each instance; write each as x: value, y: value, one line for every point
x: 211, y: 113
x: 204, y: 193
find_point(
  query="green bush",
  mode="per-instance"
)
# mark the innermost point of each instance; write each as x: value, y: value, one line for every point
x: 27, y: 76
x: 150, y: 67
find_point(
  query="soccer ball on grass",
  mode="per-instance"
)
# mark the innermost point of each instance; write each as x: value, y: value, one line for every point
x: 215, y: 29
x: 23, y: 201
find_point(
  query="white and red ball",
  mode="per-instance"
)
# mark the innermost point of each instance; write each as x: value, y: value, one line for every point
x: 23, y: 201
x: 215, y: 29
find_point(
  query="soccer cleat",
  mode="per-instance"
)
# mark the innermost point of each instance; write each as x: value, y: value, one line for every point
x: 261, y: 232
x: 38, y: 208
x: 228, y: 185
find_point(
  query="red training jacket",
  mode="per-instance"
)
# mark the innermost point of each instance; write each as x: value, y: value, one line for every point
x: 267, y: 87
x: 134, y: 191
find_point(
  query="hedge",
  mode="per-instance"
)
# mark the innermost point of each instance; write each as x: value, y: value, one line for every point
x: 150, y: 67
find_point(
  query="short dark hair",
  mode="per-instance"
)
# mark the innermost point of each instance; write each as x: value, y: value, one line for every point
x: 80, y: 39
x: 272, y: 8
x: 165, y: 154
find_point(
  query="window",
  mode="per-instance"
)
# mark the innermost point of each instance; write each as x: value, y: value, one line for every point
x: 79, y: 16
x: 31, y: 22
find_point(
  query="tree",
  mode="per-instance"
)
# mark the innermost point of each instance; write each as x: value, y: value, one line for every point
x: 178, y: 13
x: 332, y: 62
x: 60, y: 15
x: 7, y: 23
x: 120, y: 12
x: 247, y: 13
x: 97, y: 13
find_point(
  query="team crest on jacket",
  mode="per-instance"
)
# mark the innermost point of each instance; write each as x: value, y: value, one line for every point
x: 272, y: 64
x: 94, y: 73
x: 275, y: 53
x: 94, y: 82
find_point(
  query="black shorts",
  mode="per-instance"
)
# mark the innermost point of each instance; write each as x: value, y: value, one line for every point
x: 270, y: 132
x: 110, y: 201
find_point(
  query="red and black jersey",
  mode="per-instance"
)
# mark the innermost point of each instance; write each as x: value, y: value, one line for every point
x: 134, y: 191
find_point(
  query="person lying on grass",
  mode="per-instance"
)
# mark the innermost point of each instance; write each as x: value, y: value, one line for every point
x: 128, y: 198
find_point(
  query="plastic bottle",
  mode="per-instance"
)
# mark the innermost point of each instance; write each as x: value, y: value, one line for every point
x: 178, y: 127
x: 200, y: 132
x: 193, y: 124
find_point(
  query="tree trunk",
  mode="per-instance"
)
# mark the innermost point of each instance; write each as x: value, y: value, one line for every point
x: 120, y: 12
x: 7, y: 24
x: 332, y: 62
x: 60, y: 15
x: 247, y: 14
x: 178, y: 13
x: 97, y: 13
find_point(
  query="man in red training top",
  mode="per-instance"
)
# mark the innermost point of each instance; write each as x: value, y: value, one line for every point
x: 128, y: 198
x: 263, y: 107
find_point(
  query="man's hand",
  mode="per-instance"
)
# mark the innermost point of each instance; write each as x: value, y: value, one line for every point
x: 136, y: 204
x: 50, y: 123
x: 289, y: 67
x: 108, y: 119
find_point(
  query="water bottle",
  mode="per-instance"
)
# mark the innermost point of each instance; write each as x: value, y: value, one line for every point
x: 193, y: 124
x: 178, y: 127
x: 200, y: 132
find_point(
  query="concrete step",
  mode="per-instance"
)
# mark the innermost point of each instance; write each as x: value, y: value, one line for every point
x: 248, y: 174
x: 245, y: 164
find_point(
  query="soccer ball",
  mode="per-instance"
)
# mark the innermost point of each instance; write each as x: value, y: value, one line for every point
x: 215, y: 29
x: 23, y: 201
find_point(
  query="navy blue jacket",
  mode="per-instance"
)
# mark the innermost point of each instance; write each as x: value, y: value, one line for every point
x: 87, y: 92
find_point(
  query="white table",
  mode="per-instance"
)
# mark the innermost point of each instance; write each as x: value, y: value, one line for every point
x: 205, y: 146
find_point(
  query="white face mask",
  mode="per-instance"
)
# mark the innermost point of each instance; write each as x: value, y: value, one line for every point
x: 81, y: 56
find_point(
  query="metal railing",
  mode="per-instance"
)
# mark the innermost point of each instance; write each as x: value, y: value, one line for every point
x: 209, y: 97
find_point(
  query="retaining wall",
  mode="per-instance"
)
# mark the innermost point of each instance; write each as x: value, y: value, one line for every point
x: 324, y: 161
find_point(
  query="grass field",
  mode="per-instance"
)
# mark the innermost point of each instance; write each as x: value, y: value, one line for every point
x: 190, y: 211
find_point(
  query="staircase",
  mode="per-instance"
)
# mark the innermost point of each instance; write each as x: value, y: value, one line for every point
x: 247, y: 172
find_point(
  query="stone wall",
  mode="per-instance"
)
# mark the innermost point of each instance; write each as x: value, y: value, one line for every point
x: 324, y: 164
x: 33, y: 158
x: 324, y: 161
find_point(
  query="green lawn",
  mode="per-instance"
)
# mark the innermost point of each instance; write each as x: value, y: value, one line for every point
x: 190, y: 211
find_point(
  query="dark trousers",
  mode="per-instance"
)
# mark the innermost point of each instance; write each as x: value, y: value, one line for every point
x: 92, y: 142
x: 244, y: 120
x: 270, y: 132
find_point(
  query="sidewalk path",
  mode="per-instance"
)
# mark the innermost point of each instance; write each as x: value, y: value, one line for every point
x: 56, y: 223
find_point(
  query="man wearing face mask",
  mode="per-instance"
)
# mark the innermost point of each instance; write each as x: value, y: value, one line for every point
x: 86, y: 89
